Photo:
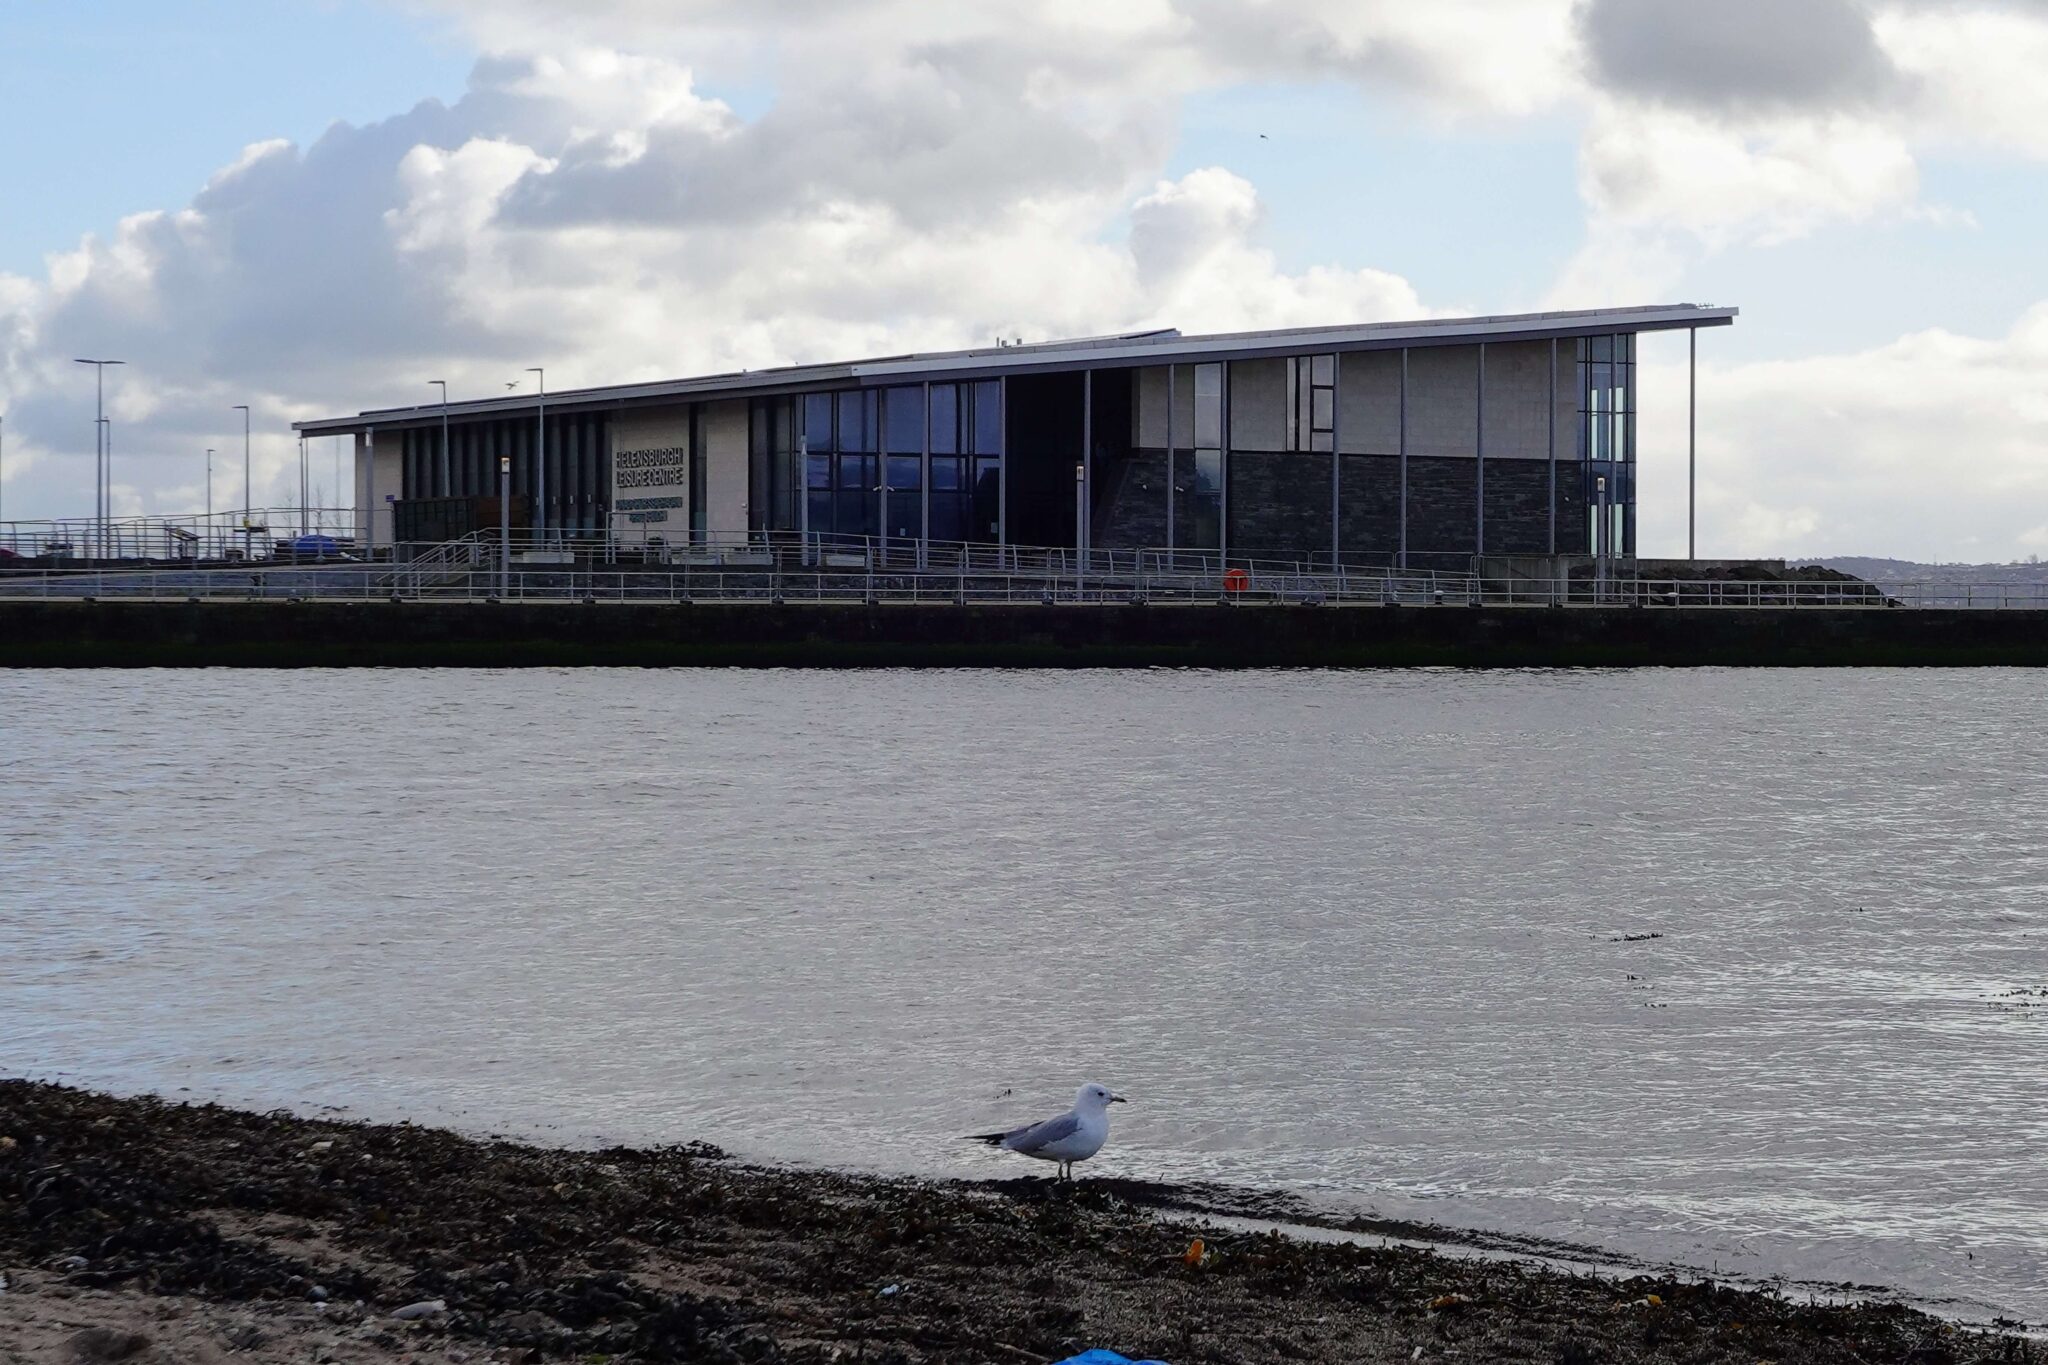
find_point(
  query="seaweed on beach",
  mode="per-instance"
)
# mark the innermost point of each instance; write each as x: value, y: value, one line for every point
x: 682, y: 1254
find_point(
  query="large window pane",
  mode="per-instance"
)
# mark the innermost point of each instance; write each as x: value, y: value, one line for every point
x: 849, y: 422
x: 988, y: 500
x: 819, y: 471
x: 946, y: 473
x: 988, y: 418
x: 1209, y: 405
x: 906, y: 514
x: 856, y: 473
x: 818, y: 421
x: 945, y: 419
x: 903, y: 414
x: 905, y: 471
x: 856, y: 513
x: 949, y: 517
x: 820, y: 512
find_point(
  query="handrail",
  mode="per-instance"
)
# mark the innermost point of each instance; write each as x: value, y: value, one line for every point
x: 477, y: 580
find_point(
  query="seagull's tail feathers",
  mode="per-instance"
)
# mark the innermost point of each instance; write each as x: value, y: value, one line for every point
x: 992, y: 1139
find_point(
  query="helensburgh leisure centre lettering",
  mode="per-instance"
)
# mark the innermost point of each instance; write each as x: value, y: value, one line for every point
x: 665, y: 467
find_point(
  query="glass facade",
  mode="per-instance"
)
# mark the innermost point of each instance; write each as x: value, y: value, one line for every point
x: 879, y: 462
x: 903, y: 467
x: 1607, y: 432
x: 772, y: 475
x: 1198, y: 523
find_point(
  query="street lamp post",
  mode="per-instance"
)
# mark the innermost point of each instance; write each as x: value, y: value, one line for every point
x: 539, y: 520
x: 248, y: 484
x: 302, y: 486
x: 109, y: 539
x: 209, y: 493
x: 99, y: 418
x: 504, y: 526
x: 447, y: 486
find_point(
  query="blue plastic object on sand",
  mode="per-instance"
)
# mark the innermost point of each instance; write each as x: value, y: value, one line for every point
x: 1105, y: 1358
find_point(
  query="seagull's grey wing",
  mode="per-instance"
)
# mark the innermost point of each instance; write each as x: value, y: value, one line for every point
x: 1031, y: 1137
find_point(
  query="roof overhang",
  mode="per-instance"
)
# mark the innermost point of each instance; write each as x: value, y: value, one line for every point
x: 1113, y: 352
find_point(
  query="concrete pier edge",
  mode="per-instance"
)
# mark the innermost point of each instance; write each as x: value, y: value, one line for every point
x: 758, y: 634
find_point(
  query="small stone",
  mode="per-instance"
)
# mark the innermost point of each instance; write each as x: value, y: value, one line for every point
x: 102, y: 1344
x: 318, y: 1293
x: 425, y: 1308
x: 69, y: 1264
x: 243, y: 1336
x: 7, y: 1144
x: 527, y: 1320
x: 320, y: 1147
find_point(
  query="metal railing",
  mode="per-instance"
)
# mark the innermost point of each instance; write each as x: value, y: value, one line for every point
x: 790, y: 567
x: 454, y: 579
x: 267, y: 533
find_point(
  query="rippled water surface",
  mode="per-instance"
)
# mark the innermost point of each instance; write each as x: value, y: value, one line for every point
x: 1363, y: 935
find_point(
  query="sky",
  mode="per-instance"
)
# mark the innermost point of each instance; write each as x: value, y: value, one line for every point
x: 317, y: 206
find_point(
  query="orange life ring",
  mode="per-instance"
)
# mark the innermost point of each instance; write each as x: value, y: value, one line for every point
x: 1236, y: 580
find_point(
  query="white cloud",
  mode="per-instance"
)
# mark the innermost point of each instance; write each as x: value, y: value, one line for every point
x: 1933, y: 446
x: 591, y: 212
x: 940, y: 174
x: 1767, y: 181
x: 1976, y: 70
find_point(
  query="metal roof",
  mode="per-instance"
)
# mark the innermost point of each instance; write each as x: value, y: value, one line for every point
x: 1104, y: 352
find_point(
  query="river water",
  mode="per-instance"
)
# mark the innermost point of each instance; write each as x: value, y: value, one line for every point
x: 1737, y: 969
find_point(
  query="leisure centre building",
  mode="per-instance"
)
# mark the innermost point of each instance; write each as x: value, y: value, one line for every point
x: 1428, y: 444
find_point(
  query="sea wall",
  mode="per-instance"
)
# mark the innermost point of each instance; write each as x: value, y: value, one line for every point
x: 336, y: 634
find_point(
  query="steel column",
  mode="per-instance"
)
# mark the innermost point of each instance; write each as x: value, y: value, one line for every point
x: 1692, y: 438
x: 1082, y: 537
x: 924, y: 469
x: 1553, y: 449
x: 1170, y: 488
x: 1479, y: 528
x: 1003, y: 460
x: 1336, y: 449
x: 1223, y: 469
x: 1404, y: 457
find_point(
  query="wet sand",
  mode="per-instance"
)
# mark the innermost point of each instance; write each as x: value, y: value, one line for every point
x: 143, y: 1231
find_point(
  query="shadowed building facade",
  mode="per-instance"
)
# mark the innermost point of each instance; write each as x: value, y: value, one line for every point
x: 1425, y: 444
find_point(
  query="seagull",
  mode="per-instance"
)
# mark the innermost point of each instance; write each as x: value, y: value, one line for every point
x: 1074, y: 1136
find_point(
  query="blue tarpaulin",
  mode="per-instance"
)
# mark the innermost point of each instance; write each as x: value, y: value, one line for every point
x: 1105, y: 1358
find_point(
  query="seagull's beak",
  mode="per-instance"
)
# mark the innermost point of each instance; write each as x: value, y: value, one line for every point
x: 1118, y: 1099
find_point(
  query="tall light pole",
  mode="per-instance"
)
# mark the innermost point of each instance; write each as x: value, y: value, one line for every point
x: 248, y: 484
x: 447, y: 486
x: 302, y: 486
x: 99, y: 418
x: 107, y: 537
x: 504, y: 526
x: 539, y: 519
x: 209, y: 493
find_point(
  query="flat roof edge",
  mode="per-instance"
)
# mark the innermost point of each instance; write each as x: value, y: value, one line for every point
x: 1115, y: 351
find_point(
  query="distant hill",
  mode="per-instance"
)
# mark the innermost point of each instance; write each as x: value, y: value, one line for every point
x: 1891, y: 573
